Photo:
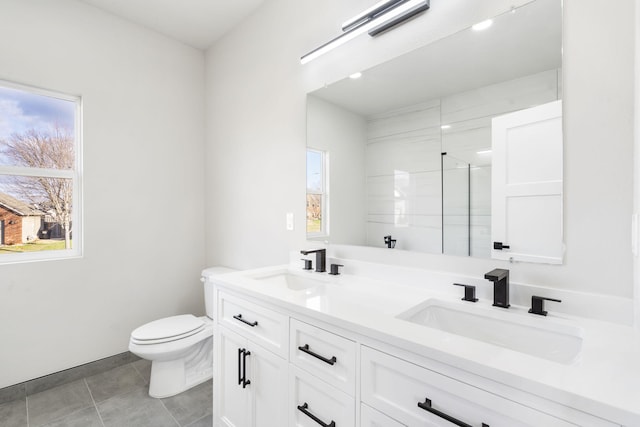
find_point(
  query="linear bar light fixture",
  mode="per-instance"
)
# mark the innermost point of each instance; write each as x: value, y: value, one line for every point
x: 379, y: 18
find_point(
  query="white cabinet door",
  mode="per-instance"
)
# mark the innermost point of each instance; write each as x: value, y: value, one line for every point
x: 233, y: 400
x: 268, y: 389
x: 253, y: 384
x: 419, y: 397
x: 328, y: 356
x: 261, y: 325
x: 369, y: 417
x: 314, y: 402
x: 526, y: 184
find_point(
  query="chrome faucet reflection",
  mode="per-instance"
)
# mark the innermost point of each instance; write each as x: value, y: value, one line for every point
x: 500, y: 279
x: 321, y: 259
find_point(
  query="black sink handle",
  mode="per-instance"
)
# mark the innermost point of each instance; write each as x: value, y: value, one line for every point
x: 537, y: 305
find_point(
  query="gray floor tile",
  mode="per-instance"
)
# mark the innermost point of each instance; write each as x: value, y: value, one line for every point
x: 116, y: 398
x: 54, y: 380
x: 192, y: 404
x: 203, y: 422
x: 57, y: 402
x: 144, y: 368
x: 87, y: 417
x: 119, y: 380
x: 135, y: 409
x: 14, y: 392
x: 14, y: 414
x: 108, y: 363
x: 64, y: 377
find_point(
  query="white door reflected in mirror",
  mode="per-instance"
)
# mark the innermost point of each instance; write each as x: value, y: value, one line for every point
x: 527, y: 185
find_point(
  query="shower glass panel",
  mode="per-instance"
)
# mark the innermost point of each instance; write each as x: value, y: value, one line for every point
x: 456, y: 206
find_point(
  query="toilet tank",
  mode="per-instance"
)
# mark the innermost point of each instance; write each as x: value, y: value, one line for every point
x: 208, y: 286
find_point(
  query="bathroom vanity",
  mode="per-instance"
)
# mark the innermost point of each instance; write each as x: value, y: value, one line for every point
x: 398, y: 347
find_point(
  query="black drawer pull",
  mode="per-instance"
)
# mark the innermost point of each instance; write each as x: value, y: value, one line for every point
x: 240, y: 352
x: 239, y: 317
x: 245, y: 381
x: 427, y: 407
x: 303, y: 409
x: 305, y: 348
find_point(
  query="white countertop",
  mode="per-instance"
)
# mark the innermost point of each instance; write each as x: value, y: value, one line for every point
x: 603, y: 381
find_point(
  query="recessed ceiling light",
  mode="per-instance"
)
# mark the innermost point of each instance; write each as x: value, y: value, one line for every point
x: 482, y: 25
x: 355, y: 75
x: 483, y: 152
x: 445, y: 127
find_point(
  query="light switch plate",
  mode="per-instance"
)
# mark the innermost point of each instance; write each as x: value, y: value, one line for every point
x: 290, y: 221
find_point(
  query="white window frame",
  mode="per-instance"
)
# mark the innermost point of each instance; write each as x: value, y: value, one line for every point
x: 323, y: 193
x: 75, y: 175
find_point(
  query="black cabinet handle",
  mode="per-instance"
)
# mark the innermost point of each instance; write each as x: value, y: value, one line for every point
x: 498, y: 246
x: 303, y: 409
x: 426, y: 405
x: 240, y: 351
x: 245, y: 381
x: 305, y: 349
x: 239, y: 317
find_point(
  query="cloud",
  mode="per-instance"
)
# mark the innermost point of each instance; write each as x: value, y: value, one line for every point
x: 12, y: 118
x: 21, y: 110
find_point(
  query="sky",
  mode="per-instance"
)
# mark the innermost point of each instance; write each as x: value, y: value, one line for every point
x: 21, y: 110
x: 314, y: 170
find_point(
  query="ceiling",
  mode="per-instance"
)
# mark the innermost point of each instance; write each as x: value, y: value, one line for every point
x: 519, y: 43
x: 198, y: 23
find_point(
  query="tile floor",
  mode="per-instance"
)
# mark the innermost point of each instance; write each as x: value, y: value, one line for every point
x: 115, y: 398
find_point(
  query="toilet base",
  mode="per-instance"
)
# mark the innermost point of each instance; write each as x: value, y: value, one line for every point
x: 171, y: 377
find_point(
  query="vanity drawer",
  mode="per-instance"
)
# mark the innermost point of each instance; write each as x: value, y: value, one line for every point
x: 311, y: 397
x: 369, y: 417
x: 263, y: 326
x: 396, y: 387
x: 326, y: 355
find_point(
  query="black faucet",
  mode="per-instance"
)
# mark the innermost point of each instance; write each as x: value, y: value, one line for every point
x: 391, y: 243
x: 321, y: 259
x: 500, y: 279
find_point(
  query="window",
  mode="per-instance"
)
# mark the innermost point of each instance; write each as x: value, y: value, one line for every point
x: 40, y: 144
x: 317, y: 193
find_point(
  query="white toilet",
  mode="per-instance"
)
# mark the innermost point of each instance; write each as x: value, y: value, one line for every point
x: 180, y: 348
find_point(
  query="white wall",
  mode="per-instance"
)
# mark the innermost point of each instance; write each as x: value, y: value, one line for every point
x: 636, y: 170
x: 256, y: 115
x: 143, y: 184
x: 342, y: 134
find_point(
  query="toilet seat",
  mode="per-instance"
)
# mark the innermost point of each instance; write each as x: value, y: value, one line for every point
x: 168, y: 329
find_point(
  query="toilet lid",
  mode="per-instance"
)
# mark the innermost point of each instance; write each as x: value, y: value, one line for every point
x: 169, y: 327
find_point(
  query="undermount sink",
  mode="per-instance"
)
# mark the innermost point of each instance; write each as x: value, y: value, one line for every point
x: 288, y: 280
x: 534, y: 335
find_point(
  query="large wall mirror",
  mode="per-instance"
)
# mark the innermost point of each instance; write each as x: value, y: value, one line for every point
x: 400, y: 156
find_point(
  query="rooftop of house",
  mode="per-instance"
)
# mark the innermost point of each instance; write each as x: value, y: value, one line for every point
x: 19, y: 207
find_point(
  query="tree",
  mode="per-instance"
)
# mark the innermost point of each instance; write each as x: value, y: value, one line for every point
x: 52, y: 149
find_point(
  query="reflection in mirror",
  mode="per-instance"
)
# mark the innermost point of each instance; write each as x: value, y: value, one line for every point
x: 410, y: 139
x: 316, y: 193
